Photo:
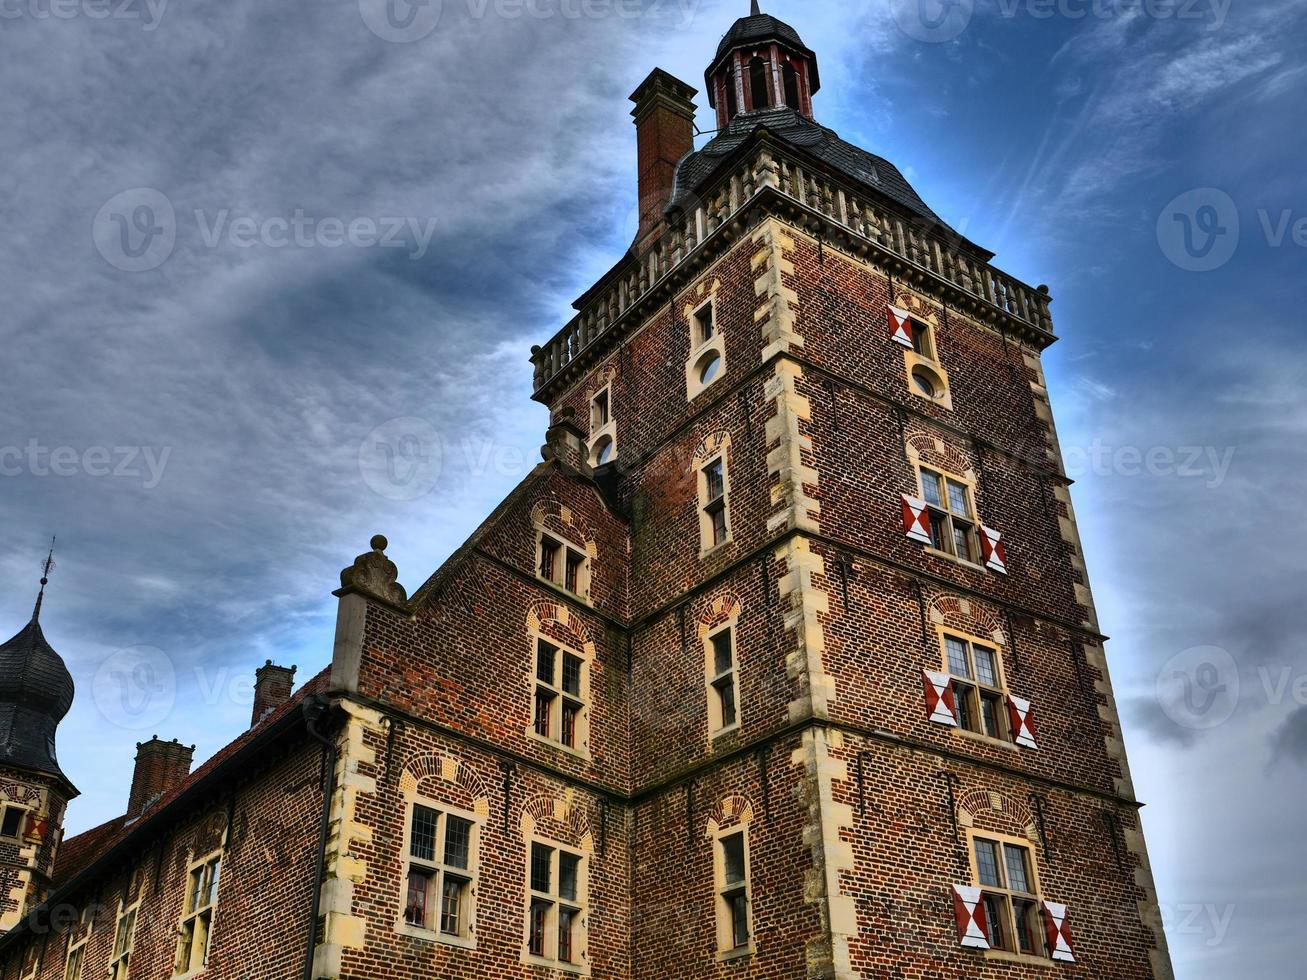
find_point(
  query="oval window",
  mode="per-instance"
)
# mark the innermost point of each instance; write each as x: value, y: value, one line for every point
x: 924, y: 382
x: 709, y: 367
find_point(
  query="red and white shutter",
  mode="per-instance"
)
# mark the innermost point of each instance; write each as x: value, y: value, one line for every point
x: 991, y: 547
x: 900, y: 326
x: 1021, y: 715
x: 916, y: 519
x: 969, y: 911
x: 36, y: 828
x: 1058, y: 932
x: 940, y: 705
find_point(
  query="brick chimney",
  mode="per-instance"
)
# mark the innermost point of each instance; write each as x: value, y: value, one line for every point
x: 160, y: 766
x: 664, y: 132
x: 272, y: 689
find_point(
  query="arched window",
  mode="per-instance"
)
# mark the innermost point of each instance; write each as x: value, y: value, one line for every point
x: 791, y: 79
x: 732, y: 102
x: 759, y: 90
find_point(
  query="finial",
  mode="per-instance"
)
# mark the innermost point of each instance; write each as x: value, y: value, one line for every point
x: 45, y: 580
x: 757, y: 11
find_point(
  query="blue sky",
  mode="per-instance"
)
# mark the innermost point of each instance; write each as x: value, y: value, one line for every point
x: 215, y: 416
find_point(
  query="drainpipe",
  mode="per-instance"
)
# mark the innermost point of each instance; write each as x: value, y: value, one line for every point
x: 315, y: 709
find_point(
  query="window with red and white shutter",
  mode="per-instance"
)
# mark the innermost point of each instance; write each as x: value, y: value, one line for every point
x: 969, y: 913
x: 992, y: 550
x: 1058, y: 933
x: 1021, y: 716
x: 916, y: 519
x: 900, y: 326
x: 940, y: 705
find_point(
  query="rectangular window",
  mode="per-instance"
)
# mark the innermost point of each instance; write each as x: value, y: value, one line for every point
x: 952, y: 518
x: 554, y: 912
x: 922, y: 340
x: 733, y: 890
x: 198, y: 912
x: 704, y: 325
x: 11, y: 823
x: 600, y: 411
x: 76, y: 954
x: 713, y: 493
x: 977, y: 686
x: 123, y: 941
x: 439, y: 877
x: 1003, y: 870
x: 721, y: 680
x: 564, y: 565
x: 561, y: 693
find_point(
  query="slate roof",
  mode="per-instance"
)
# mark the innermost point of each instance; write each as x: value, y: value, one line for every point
x: 758, y: 28
x: 36, y: 692
x: 871, y: 171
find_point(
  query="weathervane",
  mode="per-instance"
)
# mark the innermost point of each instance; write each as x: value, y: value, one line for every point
x: 45, y: 580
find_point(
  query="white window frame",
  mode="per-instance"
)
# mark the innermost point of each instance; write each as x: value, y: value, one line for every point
x: 715, y: 679
x: 707, y: 532
x: 600, y: 429
x: 439, y: 870
x: 702, y: 349
x: 31, y: 962
x: 563, y: 550
x: 969, y: 689
x: 559, y: 696
x: 580, y: 906
x: 196, y: 911
x: 124, y: 942
x: 724, y: 892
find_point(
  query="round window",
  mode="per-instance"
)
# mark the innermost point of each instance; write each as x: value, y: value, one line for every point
x: 603, y: 453
x: 924, y: 383
x: 709, y: 367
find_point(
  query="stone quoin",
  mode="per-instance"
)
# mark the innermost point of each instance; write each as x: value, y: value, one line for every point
x: 783, y: 663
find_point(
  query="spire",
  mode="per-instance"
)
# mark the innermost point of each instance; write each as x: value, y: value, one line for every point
x: 757, y: 11
x: 45, y: 580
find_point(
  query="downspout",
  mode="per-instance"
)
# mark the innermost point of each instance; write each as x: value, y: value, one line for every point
x: 314, y: 711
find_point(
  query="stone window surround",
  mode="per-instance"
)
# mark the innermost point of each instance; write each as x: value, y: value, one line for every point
x: 120, y: 953
x: 466, y: 940
x: 559, y: 581
x: 581, y: 966
x: 930, y: 365
x: 193, y: 916
x: 1037, y: 892
x: 702, y: 348
x: 74, y: 969
x: 999, y: 669
x: 969, y: 481
x: 607, y: 429
x: 726, y: 948
x: 716, y: 727
x: 585, y: 654
x: 22, y: 819
x: 721, y: 451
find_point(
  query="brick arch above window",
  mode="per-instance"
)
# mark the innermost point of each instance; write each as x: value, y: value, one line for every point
x: 732, y: 811
x: 987, y: 809
x: 711, y: 445
x: 722, y: 609
x: 434, y: 775
x: 967, y: 616
x: 553, y: 515
x: 921, y: 308
x: 557, y: 819
x: 926, y: 449
x: 551, y: 618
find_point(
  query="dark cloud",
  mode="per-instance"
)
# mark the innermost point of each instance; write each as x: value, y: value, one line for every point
x: 1289, y: 741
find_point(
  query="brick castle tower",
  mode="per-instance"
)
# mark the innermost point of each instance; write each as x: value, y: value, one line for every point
x: 782, y: 664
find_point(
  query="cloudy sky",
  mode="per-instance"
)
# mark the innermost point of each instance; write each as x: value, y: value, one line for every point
x: 251, y: 248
